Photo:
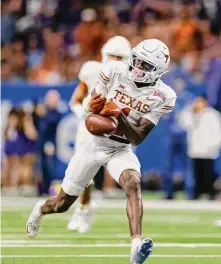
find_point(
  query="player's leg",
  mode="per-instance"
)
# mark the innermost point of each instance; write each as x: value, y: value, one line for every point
x: 81, y: 169
x: 81, y: 219
x: 54, y: 204
x: 130, y: 182
x: 85, y: 197
x: 124, y: 167
x: 57, y: 204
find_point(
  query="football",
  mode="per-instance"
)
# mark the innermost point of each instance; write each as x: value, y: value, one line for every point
x: 99, y: 125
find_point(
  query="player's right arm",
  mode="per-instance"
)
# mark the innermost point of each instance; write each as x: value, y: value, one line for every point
x: 77, y: 98
x: 85, y: 76
x: 81, y: 91
x: 94, y: 102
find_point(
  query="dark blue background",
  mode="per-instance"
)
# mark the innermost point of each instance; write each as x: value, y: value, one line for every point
x: 152, y: 153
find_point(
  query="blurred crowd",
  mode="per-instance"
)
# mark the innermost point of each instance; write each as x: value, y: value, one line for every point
x: 29, y: 161
x: 46, y: 42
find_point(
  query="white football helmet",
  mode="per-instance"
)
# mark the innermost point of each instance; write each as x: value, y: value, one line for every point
x: 116, y: 46
x: 149, y: 61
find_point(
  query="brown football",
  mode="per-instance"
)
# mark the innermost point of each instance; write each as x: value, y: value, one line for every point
x: 99, y: 125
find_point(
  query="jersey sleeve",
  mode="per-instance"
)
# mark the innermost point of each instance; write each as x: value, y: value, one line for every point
x: 83, y: 73
x: 160, y: 109
x: 104, y: 80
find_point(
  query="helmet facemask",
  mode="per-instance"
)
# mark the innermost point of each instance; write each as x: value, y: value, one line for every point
x: 143, y: 71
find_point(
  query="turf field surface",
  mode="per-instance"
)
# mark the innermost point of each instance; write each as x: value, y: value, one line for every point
x: 183, y: 232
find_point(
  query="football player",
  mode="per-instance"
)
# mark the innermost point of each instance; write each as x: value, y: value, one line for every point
x: 136, y: 98
x: 115, y: 49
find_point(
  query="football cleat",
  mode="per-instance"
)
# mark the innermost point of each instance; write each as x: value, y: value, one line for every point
x: 81, y: 220
x: 75, y: 220
x: 34, y: 222
x: 143, y: 251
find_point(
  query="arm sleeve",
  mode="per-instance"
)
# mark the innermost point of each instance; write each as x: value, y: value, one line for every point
x: 160, y: 109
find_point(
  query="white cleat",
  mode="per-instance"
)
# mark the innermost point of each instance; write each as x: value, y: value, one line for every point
x: 218, y: 223
x: 81, y: 221
x: 85, y: 220
x: 74, y: 223
x: 34, y: 221
x: 143, y: 251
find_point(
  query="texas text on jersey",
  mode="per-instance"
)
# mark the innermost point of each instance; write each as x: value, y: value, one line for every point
x: 149, y: 101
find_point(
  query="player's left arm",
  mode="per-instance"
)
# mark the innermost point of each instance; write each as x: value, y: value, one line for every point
x: 135, y: 134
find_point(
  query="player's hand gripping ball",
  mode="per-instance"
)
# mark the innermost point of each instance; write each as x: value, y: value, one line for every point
x: 96, y: 103
x: 105, y: 122
x: 99, y: 125
x: 110, y: 109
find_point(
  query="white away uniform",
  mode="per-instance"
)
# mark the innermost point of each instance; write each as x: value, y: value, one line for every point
x: 89, y: 75
x: 149, y: 102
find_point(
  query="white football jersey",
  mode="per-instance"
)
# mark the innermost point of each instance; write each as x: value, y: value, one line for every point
x: 89, y: 74
x: 149, y: 102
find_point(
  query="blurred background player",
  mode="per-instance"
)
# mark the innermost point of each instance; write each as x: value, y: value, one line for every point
x: 116, y: 48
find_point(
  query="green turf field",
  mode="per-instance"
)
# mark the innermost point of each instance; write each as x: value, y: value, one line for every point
x: 180, y: 236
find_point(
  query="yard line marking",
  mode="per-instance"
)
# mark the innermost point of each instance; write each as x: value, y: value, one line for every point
x: 24, y: 203
x: 123, y: 235
x: 70, y: 235
x: 108, y: 256
x: 29, y: 244
x: 6, y: 242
